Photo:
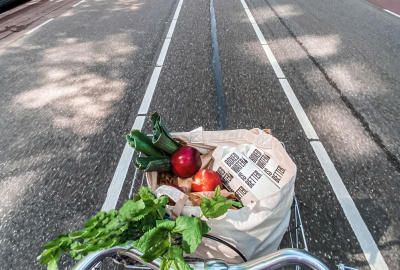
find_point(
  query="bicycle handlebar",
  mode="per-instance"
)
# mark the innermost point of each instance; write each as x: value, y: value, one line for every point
x: 280, y: 258
x: 91, y: 260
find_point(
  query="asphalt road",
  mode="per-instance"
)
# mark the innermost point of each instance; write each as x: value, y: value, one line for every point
x: 72, y: 89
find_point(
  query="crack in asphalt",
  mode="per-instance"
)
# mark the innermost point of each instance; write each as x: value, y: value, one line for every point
x: 392, y: 158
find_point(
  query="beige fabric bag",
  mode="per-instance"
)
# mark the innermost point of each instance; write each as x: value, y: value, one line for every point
x: 256, y: 229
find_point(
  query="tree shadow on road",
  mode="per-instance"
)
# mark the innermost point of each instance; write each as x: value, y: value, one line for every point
x: 65, y: 93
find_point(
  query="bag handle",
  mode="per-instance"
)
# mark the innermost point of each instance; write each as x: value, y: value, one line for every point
x: 196, y: 135
x: 179, y: 204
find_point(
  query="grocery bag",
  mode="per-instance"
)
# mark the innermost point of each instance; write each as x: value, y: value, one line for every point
x: 256, y: 229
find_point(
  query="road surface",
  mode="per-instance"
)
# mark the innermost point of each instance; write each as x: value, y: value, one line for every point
x: 323, y: 75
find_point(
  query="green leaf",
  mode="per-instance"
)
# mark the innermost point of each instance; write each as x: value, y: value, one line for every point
x: 105, y: 221
x: 57, y: 242
x: 52, y: 265
x: 148, y: 222
x: 217, y: 192
x: 74, y: 245
x: 135, y: 220
x: 216, y: 206
x: 86, y: 233
x: 136, y: 197
x: 160, y: 204
x: 73, y: 254
x: 46, y: 259
x: 150, y: 239
x: 107, y: 243
x: 77, y: 257
x: 151, y: 204
x: 162, y: 201
x: 173, y: 258
x: 51, y: 258
x: 149, y: 210
x: 66, y: 243
x: 146, y: 194
x: 81, y: 248
x: 237, y: 204
x: 112, y: 213
x: 95, y: 220
x: 114, y: 224
x: 192, y: 230
x: 47, y: 252
x: 87, y: 248
x: 156, y: 251
x: 174, y: 252
x: 182, y: 224
x: 123, y: 228
x: 51, y: 244
x: 91, y: 234
x: 130, y: 208
x: 77, y: 235
x: 167, y: 224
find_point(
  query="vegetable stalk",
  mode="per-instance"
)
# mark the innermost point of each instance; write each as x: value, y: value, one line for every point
x: 153, y: 164
x: 161, y: 136
x: 140, y: 142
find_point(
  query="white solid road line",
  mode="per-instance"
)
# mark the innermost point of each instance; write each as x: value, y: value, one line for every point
x: 178, y: 10
x: 148, y: 96
x: 251, y: 18
x: 274, y: 63
x: 367, y: 243
x: 259, y: 34
x: 244, y: 4
x: 298, y: 109
x: 78, y: 3
x: 163, y: 52
x: 40, y: 25
x: 397, y: 15
x: 123, y: 165
x: 171, y: 29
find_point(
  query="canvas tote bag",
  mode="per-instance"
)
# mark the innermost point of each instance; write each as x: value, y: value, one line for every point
x: 257, y: 229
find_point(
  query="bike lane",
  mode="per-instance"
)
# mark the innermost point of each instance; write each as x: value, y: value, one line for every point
x: 184, y: 94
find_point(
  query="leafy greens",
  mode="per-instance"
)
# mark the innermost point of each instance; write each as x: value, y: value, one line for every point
x: 140, y: 223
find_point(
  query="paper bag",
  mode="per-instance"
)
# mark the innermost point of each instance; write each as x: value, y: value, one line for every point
x: 256, y: 229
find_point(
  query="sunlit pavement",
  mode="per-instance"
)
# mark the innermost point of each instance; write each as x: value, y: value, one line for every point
x: 71, y: 89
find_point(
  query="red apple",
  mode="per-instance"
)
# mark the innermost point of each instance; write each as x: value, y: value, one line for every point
x: 186, y: 161
x: 206, y: 180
